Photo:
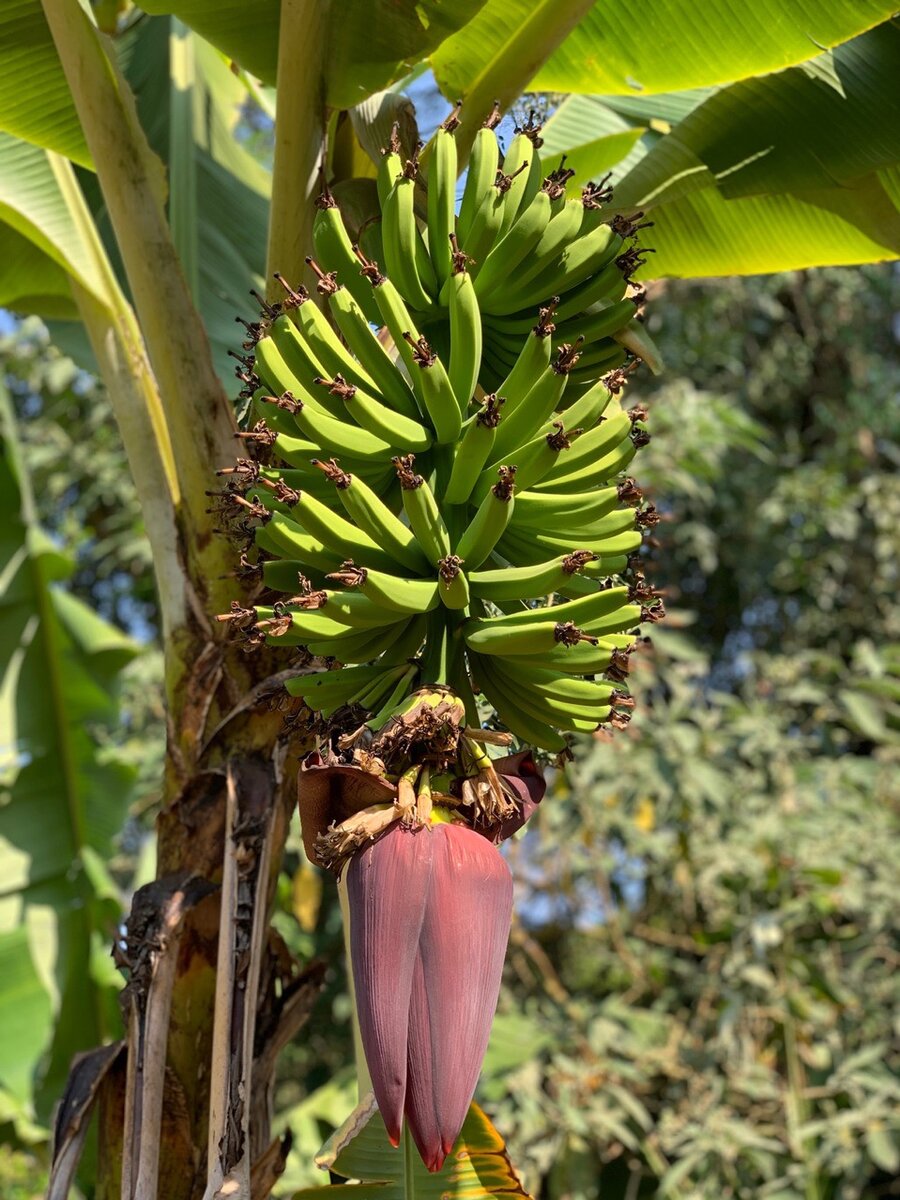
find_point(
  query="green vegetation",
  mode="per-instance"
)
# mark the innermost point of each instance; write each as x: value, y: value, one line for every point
x: 700, y: 993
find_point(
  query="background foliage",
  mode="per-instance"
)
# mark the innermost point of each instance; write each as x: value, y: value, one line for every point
x: 701, y: 990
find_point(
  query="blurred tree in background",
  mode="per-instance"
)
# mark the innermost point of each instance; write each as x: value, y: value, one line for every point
x: 702, y: 985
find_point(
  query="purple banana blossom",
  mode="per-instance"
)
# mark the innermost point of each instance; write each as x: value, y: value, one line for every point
x: 430, y: 912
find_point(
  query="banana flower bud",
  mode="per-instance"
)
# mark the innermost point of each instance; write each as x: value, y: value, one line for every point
x: 430, y: 911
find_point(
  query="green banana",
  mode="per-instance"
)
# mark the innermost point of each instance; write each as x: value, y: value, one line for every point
x: 584, y: 659
x: 392, y: 699
x: 522, y: 725
x: 354, y: 326
x: 465, y: 332
x: 482, y: 233
x: 607, y: 286
x: 410, y: 596
x: 484, y: 161
x: 442, y: 168
x: 307, y: 335
x: 567, y: 716
x: 374, y: 518
x: 334, y: 436
x: 473, y: 449
x: 357, y: 611
x: 283, y: 538
x: 535, y: 546
x: 390, y: 167
x: 453, y: 583
x: 363, y: 646
x: 300, y: 452
x: 532, y: 359
x: 555, y: 510
x: 575, y: 264
x: 404, y: 254
x: 564, y: 688
x: 370, y: 414
x: 334, y: 250
x: 537, y: 406
x: 432, y: 386
x: 514, y: 246
x: 394, y: 314
x: 586, y: 411
x: 275, y: 372
x: 489, y: 522
x: 538, y: 637
x: 297, y: 352
x: 585, y: 612
x: 517, y: 164
x: 523, y: 583
x: 409, y: 643
x: 591, y: 446
x: 422, y: 511
x: 590, y: 475
x: 339, y: 536
x: 287, y: 575
x: 325, y: 691
x: 534, y: 461
x: 561, y: 229
x: 600, y: 321
x: 306, y: 624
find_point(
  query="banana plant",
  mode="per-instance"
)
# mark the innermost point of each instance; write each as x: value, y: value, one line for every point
x: 428, y: 539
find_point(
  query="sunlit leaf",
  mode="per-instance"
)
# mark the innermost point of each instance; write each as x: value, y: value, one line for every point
x: 33, y: 205
x: 662, y: 45
x: 828, y: 124
x: 794, y: 170
x: 35, y: 102
x: 478, y: 1167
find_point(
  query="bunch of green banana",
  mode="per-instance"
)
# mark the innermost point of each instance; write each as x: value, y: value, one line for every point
x: 434, y: 495
x: 527, y: 241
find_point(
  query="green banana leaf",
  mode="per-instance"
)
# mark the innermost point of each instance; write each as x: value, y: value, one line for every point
x: 218, y: 192
x: 26, y: 1017
x: 35, y: 102
x: 797, y: 169
x: 218, y: 196
x: 660, y: 45
x: 478, y: 1168
x: 30, y: 280
x: 591, y: 135
x: 827, y: 124
x: 64, y: 792
x: 32, y: 205
x: 371, y: 42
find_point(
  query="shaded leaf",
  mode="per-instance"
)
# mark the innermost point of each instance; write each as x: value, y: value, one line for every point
x: 64, y: 791
x: 26, y: 1017
x: 30, y: 280
x: 371, y: 43
x: 515, y: 1039
x: 884, y: 1147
